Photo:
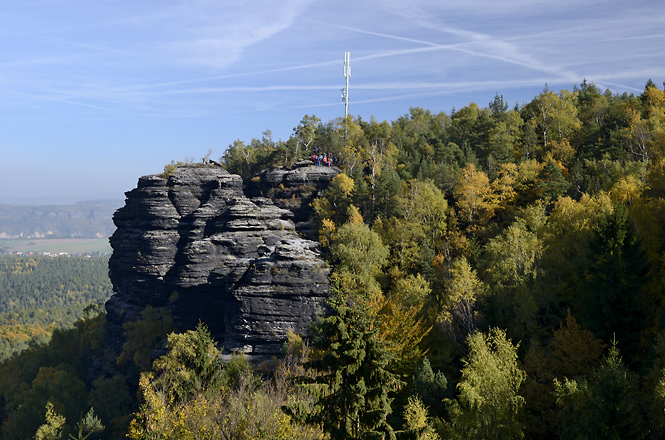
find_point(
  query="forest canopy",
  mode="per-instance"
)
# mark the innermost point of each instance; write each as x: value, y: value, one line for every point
x: 39, y: 294
x: 538, y: 226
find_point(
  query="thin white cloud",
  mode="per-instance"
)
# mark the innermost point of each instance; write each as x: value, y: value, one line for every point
x: 478, y: 45
x: 220, y: 38
x: 559, y: 40
x: 206, y: 33
x: 390, y: 86
x: 440, y: 89
x: 61, y: 100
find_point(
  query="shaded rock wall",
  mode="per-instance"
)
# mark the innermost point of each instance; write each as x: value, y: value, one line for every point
x: 197, y: 245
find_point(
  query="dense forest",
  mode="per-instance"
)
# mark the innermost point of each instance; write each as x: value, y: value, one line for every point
x: 82, y: 220
x: 40, y: 294
x: 498, y: 272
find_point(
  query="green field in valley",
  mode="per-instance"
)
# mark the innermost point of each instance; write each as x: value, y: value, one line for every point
x: 72, y: 246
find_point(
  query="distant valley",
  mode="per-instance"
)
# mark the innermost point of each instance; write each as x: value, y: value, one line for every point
x: 91, y: 219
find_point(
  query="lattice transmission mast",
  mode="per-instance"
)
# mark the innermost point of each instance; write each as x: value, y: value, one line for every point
x: 345, y: 91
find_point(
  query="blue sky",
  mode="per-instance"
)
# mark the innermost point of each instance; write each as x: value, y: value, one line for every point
x: 95, y: 93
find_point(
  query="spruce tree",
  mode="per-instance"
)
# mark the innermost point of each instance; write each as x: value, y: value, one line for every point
x: 610, y: 406
x: 610, y: 300
x: 551, y: 182
x: 353, y: 383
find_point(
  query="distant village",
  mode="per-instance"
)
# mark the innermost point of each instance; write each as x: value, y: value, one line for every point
x: 48, y: 246
x: 39, y: 235
x: 5, y: 251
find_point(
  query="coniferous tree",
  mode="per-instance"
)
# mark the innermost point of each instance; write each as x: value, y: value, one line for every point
x: 607, y: 407
x: 610, y: 300
x: 430, y: 387
x: 191, y: 364
x: 353, y: 385
x: 551, y: 181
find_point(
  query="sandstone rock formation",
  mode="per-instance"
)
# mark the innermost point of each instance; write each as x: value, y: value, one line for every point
x: 293, y: 189
x: 196, y: 244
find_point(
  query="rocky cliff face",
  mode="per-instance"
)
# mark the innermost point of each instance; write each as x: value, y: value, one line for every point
x: 293, y: 189
x: 196, y: 244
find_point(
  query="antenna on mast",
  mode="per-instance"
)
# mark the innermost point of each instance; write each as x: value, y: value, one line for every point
x: 345, y: 91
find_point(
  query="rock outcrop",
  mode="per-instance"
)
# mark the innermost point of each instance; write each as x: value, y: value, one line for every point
x: 293, y: 189
x: 193, y: 242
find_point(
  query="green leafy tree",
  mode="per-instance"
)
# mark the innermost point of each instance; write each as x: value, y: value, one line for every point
x: 388, y: 185
x: 143, y: 334
x: 52, y: 429
x: 488, y: 404
x: 411, y: 291
x: 191, y: 396
x: 504, y: 137
x: 638, y: 136
x: 416, y: 420
x: 512, y: 257
x: 112, y: 399
x: 333, y: 205
x: 511, y: 262
x: 239, y: 159
x: 470, y: 127
x: 565, y: 238
x: 381, y: 152
x: 459, y: 314
x: 61, y: 386
x: 554, y: 115
x: 55, y: 426
x: 182, y: 386
x: 360, y: 254
x: 305, y: 134
x: 593, y: 109
x: 354, y: 151
x: 87, y: 426
x: 419, y: 137
x: 417, y: 229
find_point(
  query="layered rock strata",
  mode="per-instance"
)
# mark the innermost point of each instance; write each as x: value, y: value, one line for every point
x: 294, y: 189
x: 193, y: 242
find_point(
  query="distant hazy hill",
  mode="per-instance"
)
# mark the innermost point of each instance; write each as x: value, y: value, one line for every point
x: 82, y: 220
